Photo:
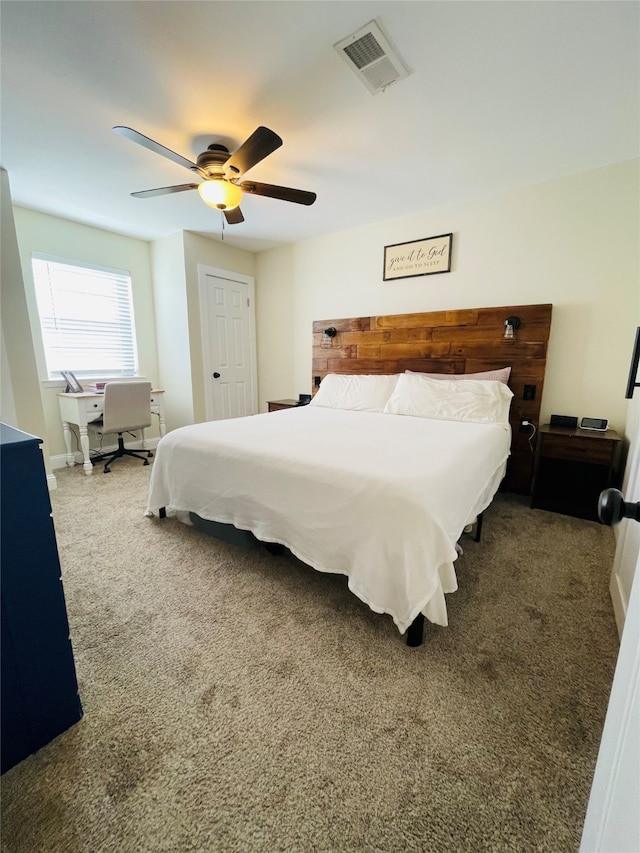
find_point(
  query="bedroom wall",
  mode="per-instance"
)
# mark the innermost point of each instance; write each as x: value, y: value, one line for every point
x: 276, y: 326
x: 175, y: 261
x: 21, y: 403
x: 172, y: 328
x: 572, y: 242
x: 202, y: 250
x: 166, y: 305
x: 40, y: 232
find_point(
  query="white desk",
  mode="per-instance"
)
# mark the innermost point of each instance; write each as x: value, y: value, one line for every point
x: 81, y: 409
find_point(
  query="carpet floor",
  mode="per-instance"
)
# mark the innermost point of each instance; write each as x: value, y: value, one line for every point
x: 239, y: 701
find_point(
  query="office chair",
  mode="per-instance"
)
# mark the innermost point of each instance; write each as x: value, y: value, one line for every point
x: 127, y: 406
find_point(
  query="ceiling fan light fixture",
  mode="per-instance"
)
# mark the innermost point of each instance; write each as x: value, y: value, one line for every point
x: 220, y: 194
x: 219, y: 172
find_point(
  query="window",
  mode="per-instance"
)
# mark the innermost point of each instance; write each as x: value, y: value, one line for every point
x: 86, y: 317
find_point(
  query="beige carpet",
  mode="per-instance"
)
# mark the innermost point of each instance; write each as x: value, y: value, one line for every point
x: 236, y: 701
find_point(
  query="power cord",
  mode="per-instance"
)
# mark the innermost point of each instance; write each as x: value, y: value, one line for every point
x: 530, y: 437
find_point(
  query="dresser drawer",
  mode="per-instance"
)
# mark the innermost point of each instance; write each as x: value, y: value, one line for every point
x: 576, y: 449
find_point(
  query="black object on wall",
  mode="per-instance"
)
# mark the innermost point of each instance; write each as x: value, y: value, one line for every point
x: 632, y: 382
x: 39, y: 698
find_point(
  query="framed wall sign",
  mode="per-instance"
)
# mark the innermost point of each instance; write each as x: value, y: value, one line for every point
x: 418, y: 257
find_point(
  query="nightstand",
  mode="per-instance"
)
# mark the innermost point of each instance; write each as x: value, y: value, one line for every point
x: 276, y: 405
x: 572, y: 467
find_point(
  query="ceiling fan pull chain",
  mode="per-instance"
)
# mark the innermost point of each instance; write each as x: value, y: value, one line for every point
x: 222, y: 232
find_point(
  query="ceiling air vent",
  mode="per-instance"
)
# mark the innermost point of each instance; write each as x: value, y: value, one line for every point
x: 370, y: 56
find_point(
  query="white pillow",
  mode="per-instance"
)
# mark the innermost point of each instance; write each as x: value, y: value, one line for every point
x: 477, y: 400
x: 502, y: 375
x: 361, y: 393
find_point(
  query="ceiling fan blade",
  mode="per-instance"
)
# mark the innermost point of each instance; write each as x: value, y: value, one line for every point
x: 180, y: 188
x: 233, y: 217
x: 259, y: 145
x: 152, y: 145
x: 273, y: 191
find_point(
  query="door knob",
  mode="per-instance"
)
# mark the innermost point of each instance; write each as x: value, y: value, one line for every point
x: 216, y: 375
x: 612, y: 507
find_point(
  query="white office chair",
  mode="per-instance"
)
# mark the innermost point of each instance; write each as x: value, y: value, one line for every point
x: 127, y: 407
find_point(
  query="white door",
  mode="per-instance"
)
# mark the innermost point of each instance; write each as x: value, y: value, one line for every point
x: 628, y: 543
x: 228, y: 343
x: 612, y: 822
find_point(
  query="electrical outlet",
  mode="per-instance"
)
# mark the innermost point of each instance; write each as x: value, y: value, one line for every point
x: 525, y: 425
x: 529, y: 392
x: 316, y: 381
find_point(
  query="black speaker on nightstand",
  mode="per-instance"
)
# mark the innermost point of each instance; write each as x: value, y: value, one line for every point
x: 566, y: 421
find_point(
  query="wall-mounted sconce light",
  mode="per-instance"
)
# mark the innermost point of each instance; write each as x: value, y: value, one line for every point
x: 329, y: 335
x: 511, y: 324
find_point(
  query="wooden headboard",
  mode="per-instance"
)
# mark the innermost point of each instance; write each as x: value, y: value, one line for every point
x: 461, y: 341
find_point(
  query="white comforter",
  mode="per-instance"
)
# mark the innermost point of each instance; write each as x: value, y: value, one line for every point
x: 381, y: 498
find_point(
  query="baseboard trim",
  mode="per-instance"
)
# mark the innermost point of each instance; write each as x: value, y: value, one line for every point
x: 60, y: 459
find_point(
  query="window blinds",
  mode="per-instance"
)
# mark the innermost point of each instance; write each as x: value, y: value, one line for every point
x: 86, y: 317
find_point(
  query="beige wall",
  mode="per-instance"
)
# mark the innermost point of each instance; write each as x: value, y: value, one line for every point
x: 166, y: 309
x: 39, y: 232
x: 177, y: 302
x: 276, y: 327
x: 172, y: 328
x: 21, y: 402
x: 572, y: 242
x: 202, y: 250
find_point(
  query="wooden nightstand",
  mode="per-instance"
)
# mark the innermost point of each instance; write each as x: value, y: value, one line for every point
x: 572, y: 467
x: 276, y: 405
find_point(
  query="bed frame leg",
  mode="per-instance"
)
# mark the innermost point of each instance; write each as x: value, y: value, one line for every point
x: 415, y: 632
x: 162, y: 512
x: 478, y: 532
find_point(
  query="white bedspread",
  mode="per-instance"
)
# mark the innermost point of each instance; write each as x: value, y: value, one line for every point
x: 380, y: 498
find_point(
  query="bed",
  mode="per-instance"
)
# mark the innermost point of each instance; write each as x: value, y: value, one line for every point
x: 376, y: 479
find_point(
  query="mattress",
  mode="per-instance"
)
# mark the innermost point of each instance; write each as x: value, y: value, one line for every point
x: 380, y: 498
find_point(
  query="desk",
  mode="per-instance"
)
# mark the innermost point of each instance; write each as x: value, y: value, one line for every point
x: 81, y: 409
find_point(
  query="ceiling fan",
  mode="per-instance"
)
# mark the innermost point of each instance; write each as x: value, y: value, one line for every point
x: 221, y: 171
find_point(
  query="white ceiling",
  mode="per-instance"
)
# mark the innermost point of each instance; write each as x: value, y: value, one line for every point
x: 501, y: 95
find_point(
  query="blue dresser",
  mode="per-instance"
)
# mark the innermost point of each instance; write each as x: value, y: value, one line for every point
x: 39, y: 690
